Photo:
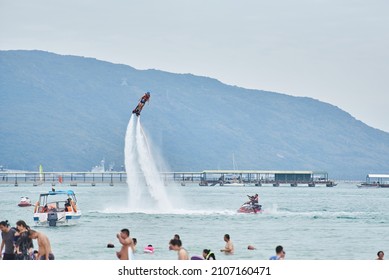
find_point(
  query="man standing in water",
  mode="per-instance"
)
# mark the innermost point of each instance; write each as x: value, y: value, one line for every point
x: 7, y: 235
x: 44, y: 247
x: 280, y: 253
x: 127, y: 250
x: 229, y: 248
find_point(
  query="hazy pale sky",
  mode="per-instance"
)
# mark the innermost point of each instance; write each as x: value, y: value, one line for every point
x: 331, y: 50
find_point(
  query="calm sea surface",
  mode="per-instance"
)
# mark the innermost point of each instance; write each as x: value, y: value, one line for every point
x: 339, y: 223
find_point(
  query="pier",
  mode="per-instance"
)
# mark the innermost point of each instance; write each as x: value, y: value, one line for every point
x: 259, y: 178
x: 204, y: 178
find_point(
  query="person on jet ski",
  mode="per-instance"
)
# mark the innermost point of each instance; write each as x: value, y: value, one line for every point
x: 254, y: 201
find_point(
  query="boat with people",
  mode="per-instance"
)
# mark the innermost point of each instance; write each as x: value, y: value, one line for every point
x: 251, y: 206
x: 24, y: 202
x: 375, y: 181
x: 56, y: 208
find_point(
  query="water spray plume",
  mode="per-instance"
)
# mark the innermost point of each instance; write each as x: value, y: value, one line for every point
x: 146, y: 188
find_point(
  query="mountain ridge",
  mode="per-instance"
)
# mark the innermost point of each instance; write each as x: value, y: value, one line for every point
x: 68, y: 112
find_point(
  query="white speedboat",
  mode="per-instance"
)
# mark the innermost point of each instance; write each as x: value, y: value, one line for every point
x: 56, y: 208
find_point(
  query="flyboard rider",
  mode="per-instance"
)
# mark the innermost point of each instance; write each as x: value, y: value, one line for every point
x: 145, y: 98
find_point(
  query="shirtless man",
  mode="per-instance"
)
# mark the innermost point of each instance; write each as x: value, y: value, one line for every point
x: 176, y: 245
x: 229, y: 248
x: 44, y: 247
x: 127, y: 250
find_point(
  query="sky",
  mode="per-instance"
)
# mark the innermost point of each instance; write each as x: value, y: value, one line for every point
x: 331, y: 50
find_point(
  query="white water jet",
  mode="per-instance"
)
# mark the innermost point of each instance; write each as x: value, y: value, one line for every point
x: 131, y: 168
x: 146, y: 188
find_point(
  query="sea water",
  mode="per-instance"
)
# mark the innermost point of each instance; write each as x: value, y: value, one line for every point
x: 330, y: 223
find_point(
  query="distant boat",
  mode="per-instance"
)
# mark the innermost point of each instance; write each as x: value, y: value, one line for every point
x: 375, y: 181
x: 24, y: 202
x: 99, y: 168
x: 233, y: 179
x: 234, y: 183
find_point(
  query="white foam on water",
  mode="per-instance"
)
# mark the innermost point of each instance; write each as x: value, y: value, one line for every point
x: 170, y: 212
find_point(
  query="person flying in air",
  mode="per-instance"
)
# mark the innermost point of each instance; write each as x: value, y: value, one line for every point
x: 145, y: 98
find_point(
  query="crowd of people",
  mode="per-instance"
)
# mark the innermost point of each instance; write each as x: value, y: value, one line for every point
x: 128, y: 248
x: 17, y: 243
x: 176, y: 244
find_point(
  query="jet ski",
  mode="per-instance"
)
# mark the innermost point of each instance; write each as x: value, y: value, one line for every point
x: 24, y: 202
x: 249, y: 207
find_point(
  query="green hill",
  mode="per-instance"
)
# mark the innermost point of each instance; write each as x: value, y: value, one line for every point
x: 69, y: 112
